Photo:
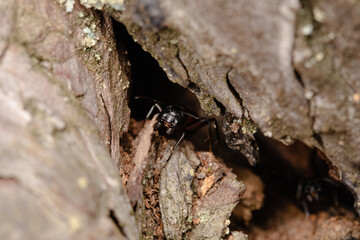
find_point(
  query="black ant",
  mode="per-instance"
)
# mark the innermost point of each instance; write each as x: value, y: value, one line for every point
x: 316, y: 193
x: 174, y: 121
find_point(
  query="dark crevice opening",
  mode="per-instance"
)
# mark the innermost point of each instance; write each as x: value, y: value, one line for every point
x: 318, y: 138
x: 193, y: 87
x: 149, y: 79
x: 113, y: 217
x: 232, y: 88
x: 298, y: 77
x: 285, y: 168
x: 275, y: 167
x: 220, y: 105
x: 108, y: 119
x: 182, y: 64
x: 315, y: 135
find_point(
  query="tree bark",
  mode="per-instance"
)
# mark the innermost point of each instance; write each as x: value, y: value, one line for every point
x: 286, y: 68
x: 61, y: 83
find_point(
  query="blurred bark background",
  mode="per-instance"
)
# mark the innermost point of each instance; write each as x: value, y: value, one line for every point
x: 286, y: 70
x: 62, y: 83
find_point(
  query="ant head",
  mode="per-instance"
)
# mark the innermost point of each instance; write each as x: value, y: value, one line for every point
x: 165, y: 126
x: 312, y: 190
x: 168, y: 121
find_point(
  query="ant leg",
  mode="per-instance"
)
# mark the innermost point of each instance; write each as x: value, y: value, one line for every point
x: 156, y: 104
x: 178, y: 142
x: 176, y: 145
x: 217, y: 129
x: 193, y: 116
x: 212, y: 123
x: 299, y: 195
x: 201, y: 122
x: 306, y: 209
x: 152, y: 110
x: 299, y: 191
x: 209, y: 133
x: 216, y: 126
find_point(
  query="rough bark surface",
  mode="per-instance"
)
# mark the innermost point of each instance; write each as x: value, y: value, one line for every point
x: 288, y: 69
x: 327, y: 57
x: 296, y: 227
x: 57, y: 179
x: 80, y: 50
x: 292, y: 81
x: 232, y: 57
x: 186, y: 194
x: 182, y: 191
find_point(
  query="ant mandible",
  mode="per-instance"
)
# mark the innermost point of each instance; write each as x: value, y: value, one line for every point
x: 174, y: 121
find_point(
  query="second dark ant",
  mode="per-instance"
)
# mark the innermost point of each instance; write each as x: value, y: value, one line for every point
x: 175, y: 122
x: 316, y: 193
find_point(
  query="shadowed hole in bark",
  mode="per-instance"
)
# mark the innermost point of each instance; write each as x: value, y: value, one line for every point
x: 149, y: 79
x: 284, y: 169
x: 192, y: 86
x: 318, y: 139
x: 281, y: 169
x: 113, y: 217
x: 232, y: 89
x: 298, y: 77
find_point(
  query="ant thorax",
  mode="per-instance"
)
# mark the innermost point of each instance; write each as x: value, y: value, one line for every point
x: 169, y: 121
x: 174, y: 121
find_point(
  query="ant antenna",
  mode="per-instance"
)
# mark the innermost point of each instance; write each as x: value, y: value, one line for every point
x: 151, y: 99
x: 156, y: 104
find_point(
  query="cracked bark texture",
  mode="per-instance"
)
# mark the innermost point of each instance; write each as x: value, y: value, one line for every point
x: 328, y: 60
x: 57, y: 179
x: 290, y: 68
x: 185, y: 205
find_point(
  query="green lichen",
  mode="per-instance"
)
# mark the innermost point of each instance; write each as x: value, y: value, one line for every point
x: 91, y: 36
x: 208, y: 104
x: 204, y: 216
x: 248, y: 126
x: 88, y: 47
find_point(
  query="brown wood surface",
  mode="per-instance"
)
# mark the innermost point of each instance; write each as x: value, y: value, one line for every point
x: 61, y: 84
x: 287, y: 69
